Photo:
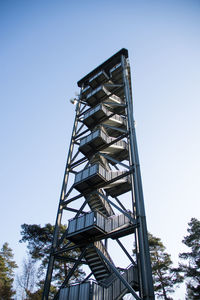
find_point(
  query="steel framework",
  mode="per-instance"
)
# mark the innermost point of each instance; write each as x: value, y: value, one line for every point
x: 102, y: 193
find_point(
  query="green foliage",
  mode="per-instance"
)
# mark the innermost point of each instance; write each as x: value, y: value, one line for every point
x: 39, y: 241
x: 192, y: 267
x: 164, y: 276
x: 7, y: 266
x: 37, y: 295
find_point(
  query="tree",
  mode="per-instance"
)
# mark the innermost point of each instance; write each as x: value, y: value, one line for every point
x: 39, y: 241
x: 165, y: 277
x: 191, y: 269
x: 26, y: 280
x: 7, y: 266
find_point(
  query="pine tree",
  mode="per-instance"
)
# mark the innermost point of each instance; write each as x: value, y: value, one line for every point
x: 165, y: 277
x: 192, y: 267
x: 39, y: 241
x: 7, y: 266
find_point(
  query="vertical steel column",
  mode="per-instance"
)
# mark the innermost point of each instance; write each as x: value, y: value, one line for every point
x: 60, y: 209
x: 145, y: 272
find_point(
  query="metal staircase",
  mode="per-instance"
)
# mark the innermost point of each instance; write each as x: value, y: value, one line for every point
x: 98, y: 266
x: 96, y: 202
x: 102, y: 167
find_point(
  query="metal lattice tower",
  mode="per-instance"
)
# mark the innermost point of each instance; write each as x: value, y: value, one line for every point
x: 102, y: 193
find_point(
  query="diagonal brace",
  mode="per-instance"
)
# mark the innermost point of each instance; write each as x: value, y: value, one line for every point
x: 70, y: 273
x: 114, y: 160
x: 117, y: 207
x: 115, y: 128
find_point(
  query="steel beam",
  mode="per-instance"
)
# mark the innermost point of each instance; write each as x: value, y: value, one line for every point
x: 147, y: 291
x: 59, y: 212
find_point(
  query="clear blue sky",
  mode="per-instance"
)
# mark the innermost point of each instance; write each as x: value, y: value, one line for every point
x: 46, y: 47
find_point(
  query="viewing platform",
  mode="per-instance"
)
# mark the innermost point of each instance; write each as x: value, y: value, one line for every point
x: 94, y: 224
x: 98, y: 79
x: 100, y: 115
x: 96, y: 176
x: 98, y: 140
x: 100, y: 94
x: 96, y: 115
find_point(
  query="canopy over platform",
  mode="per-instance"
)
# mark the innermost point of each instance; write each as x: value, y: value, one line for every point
x: 107, y: 65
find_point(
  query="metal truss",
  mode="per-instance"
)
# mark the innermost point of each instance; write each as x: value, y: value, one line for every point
x: 101, y: 194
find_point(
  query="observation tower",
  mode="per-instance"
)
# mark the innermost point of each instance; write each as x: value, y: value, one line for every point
x: 101, y: 194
